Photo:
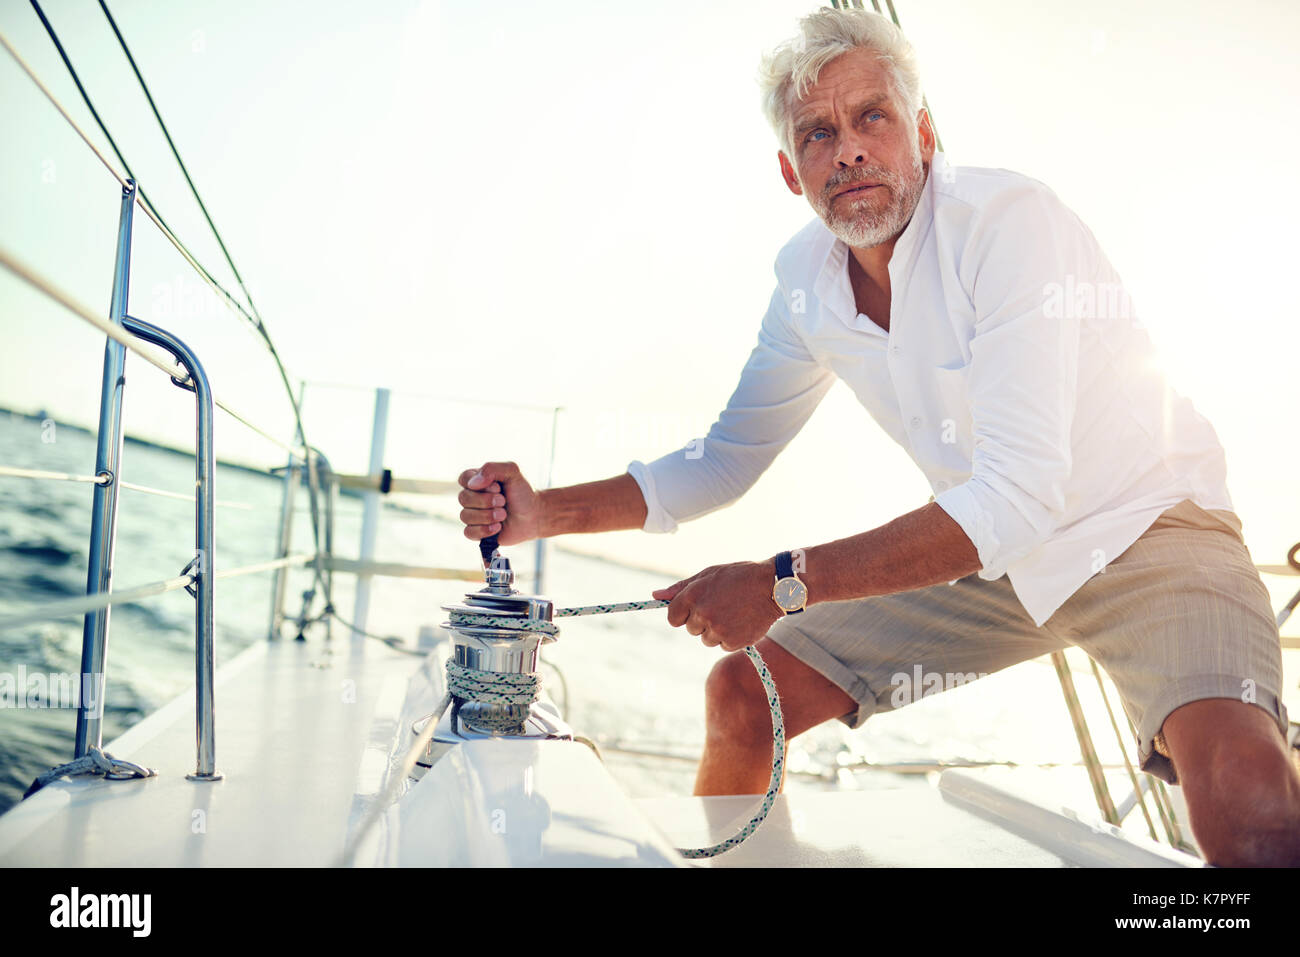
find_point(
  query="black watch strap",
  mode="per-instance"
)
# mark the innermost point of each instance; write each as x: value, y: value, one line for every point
x: 784, y: 565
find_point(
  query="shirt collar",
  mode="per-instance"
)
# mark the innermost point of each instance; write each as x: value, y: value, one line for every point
x: 832, y: 287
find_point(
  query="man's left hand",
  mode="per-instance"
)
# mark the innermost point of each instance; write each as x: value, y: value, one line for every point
x: 725, y: 605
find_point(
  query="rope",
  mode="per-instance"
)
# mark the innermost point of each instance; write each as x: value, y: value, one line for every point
x: 117, y: 334
x: 469, y: 684
x: 59, y: 106
x: 491, y: 691
x: 146, y: 204
x: 67, y: 607
x: 256, y: 320
x: 294, y: 450
x: 266, y: 566
x: 12, y: 471
x: 107, y: 327
x: 778, y: 765
x: 546, y: 627
x: 93, y: 762
x: 179, y: 162
x: 182, y: 496
x: 102, y: 599
x: 491, y: 687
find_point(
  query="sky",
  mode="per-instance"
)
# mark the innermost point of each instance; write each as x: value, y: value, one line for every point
x: 498, y: 209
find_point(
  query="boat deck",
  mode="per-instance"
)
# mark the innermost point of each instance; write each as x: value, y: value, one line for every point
x: 291, y: 737
x: 308, y: 740
x: 907, y: 827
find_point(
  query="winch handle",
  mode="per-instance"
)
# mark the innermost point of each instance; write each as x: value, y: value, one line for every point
x: 487, y: 547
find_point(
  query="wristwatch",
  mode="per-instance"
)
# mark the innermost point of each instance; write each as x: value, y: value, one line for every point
x: 789, y: 593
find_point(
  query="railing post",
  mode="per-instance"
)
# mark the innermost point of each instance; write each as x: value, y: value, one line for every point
x: 282, y: 550
x: 320, y: 579
x: 103, y: 519
x: 370, y: 513
x: 286, y: 533
x: 331, y: 493
x: 204, y: 545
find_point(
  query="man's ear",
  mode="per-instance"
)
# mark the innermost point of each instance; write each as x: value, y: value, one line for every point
x: 925, y: 136
x: 789, y: 175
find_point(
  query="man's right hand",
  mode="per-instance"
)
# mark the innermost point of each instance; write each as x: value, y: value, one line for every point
x: 513, y: 515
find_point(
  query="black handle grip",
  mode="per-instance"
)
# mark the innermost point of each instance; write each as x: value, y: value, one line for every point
x: 487, y: 546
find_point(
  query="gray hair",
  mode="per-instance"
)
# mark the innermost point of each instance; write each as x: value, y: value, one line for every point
x: 795, y: 65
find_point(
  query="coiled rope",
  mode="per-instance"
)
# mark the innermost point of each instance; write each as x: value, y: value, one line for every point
x: 492, y: 687
x: 483, y: 686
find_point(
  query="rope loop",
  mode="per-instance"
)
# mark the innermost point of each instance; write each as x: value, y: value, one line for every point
x: 95, y: 761
x: 491, y: 687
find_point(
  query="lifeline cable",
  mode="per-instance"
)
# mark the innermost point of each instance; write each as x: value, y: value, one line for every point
x: 255, y: 318
x: 179, y: 162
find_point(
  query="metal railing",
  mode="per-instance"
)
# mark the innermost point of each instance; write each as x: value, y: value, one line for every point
x: 198, y: 576
x: 125, y: 333
x: 204, y: 541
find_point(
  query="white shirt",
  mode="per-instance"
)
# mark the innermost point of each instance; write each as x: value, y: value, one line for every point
x: 1014, y: 373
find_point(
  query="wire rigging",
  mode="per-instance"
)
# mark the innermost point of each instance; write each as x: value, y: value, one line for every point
x: 146, y: 203
x: 150, y: 208
x: 26, y: 68
x: 179, y: 162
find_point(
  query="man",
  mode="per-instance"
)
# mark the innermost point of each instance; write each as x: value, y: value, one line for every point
x: 1079, y: 500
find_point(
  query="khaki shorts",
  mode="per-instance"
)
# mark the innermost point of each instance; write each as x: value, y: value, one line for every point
x: 1180, y: 616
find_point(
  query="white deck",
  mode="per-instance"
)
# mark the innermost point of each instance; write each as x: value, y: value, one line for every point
x: 308, y: 741
x: 908, y: 827
x: 290, y: 738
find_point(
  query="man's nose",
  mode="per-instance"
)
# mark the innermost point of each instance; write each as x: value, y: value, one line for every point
x: 851, y: 149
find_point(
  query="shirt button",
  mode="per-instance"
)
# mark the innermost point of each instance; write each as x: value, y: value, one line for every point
x: 896, y: 350
x: 941, y: 485
x: 916, y: 422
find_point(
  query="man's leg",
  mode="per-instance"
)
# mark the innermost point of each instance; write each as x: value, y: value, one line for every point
x: 844, y: 660
x: 1183, y: 624
x: 1241, y: 787
x: 738, y: 747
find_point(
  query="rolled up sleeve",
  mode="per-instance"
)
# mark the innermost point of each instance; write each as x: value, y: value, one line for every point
x: 1028, y: 256
x: 780, y: 386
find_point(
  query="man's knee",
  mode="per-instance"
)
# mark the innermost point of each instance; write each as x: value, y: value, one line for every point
x: 736, y: 708
x: 1254, y: 807
x: 1241, y: 786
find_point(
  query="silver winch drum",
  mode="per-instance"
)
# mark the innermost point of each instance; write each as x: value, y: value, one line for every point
x: 504, y: 650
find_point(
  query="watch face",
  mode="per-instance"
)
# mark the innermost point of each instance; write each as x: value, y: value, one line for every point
x: 790, y: 594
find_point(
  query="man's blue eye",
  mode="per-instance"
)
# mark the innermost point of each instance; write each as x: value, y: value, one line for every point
x: 875, y: 113
x: 816, y: 133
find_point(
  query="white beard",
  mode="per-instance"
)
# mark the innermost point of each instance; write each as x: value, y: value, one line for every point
x: 862, y: 222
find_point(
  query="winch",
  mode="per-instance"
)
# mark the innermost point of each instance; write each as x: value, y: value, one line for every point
x: 492, y: 680
x: 497, y: 635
